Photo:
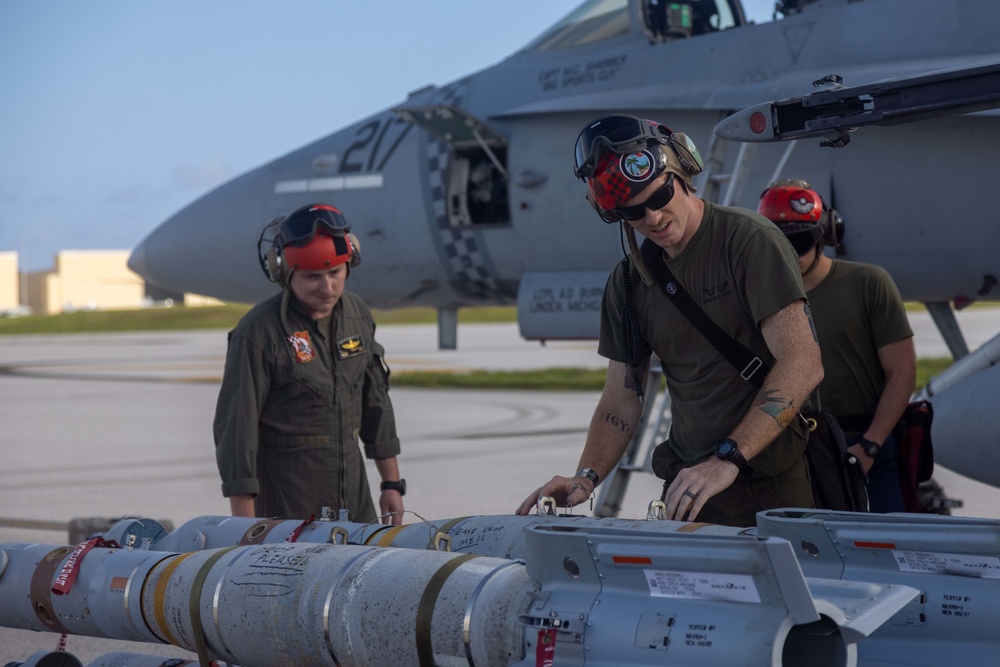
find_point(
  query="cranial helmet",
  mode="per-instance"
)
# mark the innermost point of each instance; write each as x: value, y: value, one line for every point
x: 801, y: 214
x: 619, y: 156
x: 315, y: 237
x: 790, y: 201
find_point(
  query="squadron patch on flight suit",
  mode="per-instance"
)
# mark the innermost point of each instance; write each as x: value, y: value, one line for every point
x: 349, y: 347
x: 302, y: 346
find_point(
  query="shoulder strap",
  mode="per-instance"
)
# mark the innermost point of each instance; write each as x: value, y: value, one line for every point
x: 752, y: 368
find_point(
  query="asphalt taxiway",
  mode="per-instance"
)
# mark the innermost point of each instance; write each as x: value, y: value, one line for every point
x: 111, y: 425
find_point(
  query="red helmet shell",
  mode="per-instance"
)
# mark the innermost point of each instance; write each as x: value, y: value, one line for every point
x: 620, y: 177
x: 322, y: 253
x: 786, y: 203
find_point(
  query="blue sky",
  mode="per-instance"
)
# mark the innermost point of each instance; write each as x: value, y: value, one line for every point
x: 114, y: 114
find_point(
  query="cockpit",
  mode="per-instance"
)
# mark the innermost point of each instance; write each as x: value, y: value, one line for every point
x: 661, y: 21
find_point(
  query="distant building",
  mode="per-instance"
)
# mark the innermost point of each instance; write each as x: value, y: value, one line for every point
x: 90, y: 280
x: 10, y: 283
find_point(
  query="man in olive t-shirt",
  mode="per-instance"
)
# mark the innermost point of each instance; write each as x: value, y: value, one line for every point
x: 731, y: 450
x: 864, y: 335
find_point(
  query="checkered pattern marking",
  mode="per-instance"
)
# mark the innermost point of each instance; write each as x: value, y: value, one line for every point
x: 466, y: 257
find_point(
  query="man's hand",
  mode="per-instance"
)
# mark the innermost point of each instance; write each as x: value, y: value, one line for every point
x: 391, y: 502
x: 866, y: 461
x: 566, y: 491
x: 693, y: 486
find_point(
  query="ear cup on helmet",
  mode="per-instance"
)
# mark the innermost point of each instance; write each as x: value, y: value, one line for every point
x: 687, y: 153
x: 355, y: 250
x: 274, y: 271
x: 270, y: 258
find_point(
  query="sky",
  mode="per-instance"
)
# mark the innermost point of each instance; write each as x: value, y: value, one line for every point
x: 115, y: 114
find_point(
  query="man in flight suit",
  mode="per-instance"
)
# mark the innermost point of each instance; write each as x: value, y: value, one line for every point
x: 304, y: 380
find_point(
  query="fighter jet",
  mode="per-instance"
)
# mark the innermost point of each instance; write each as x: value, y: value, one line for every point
x: 463, y: 194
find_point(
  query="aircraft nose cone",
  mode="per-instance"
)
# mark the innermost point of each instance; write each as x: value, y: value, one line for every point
x: 210, y: 246
x: 137, y: 261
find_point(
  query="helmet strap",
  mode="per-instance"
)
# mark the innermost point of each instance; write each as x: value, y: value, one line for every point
x: 819, y: 252
x: 633, y: 246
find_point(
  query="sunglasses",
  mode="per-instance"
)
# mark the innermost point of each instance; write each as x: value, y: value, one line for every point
x: 300, y: 229
x: 619, y: 134
x: 656, y: 201
x: 803, y: 237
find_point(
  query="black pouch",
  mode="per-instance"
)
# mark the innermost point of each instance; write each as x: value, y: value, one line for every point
x: 838, y: 480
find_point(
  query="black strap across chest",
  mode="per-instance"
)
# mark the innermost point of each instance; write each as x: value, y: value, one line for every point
x: 751, y: 367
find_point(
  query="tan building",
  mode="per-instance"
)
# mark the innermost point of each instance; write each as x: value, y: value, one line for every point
x: 10, y: 283
x: 81, y: 280
x: 86, y: 280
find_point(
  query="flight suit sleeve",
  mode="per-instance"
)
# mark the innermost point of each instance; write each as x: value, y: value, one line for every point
x: 245, y: 384
x: 378, y: 421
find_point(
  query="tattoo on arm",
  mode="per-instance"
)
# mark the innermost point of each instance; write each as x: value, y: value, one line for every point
x: 776, y: 406
x: 812, y: 325
x: 618, y: 422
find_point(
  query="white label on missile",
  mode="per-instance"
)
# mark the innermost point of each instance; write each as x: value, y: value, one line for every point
x: 702, y: 586
x: 965, y: 565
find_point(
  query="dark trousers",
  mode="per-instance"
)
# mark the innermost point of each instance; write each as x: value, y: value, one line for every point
x: 884, y: 494
x: 738, y: 505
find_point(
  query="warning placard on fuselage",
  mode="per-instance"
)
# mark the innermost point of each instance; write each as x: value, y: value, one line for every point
x: 560, y: 304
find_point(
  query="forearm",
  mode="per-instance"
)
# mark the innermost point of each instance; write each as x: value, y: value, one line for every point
x: 388, y: 469
x: 242, y: 506
x: 797, y: 370
x: 899, y: 364
x: 775, y: 406
x: 611, y: 430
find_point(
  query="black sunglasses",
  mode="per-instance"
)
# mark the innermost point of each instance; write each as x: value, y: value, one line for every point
x: 619, y: 134
x: 656, y: 201
x: 802, y: 236
x: 299, y: 230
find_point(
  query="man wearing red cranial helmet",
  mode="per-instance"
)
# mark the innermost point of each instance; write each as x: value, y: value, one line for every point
x: 304, y: 380
x: 864, y: 335
x: 736, y: 446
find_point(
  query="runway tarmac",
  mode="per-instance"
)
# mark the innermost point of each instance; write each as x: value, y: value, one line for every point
x: 109, y: 425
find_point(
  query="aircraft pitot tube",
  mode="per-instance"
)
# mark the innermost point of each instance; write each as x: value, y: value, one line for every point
x: 581, y: 595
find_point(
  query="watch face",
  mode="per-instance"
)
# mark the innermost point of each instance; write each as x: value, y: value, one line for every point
x: 724, y: 448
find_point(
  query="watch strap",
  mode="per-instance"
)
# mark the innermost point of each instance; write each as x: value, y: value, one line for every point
x: 395, y: 486
x: 871, y: 447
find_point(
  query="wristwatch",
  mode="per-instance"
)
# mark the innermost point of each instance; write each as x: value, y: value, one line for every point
x: 395, y: 486
x: 871, y: 447
x: 728, y: 450
x: 589, y: 473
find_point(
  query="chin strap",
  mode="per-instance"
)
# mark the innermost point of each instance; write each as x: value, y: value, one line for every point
x: 815, y: 262
x: 640, y: 265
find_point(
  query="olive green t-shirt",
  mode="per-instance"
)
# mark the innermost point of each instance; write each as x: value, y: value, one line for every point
x: 739, y: 269
x: 857, y: 309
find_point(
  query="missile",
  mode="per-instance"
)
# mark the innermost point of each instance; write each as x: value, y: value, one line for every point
x: 951, y: 613
x: 580, y: 595
x: 835, y: 111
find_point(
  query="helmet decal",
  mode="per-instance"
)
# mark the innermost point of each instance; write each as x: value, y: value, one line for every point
x: 619, y: 178
x: 638, y: 167
x: 802, y: 204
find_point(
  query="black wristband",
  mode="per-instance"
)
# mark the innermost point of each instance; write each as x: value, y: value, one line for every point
x: 395, y: 486
x: 871, y: 447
